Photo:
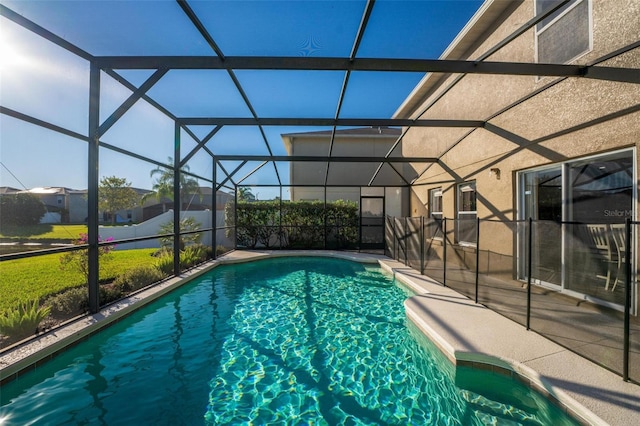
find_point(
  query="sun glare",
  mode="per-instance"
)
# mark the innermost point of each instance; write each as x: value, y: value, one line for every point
x: 10, y: 55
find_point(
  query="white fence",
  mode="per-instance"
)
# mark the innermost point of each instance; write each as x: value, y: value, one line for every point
x: 51, y: 217
x: 152, y: 227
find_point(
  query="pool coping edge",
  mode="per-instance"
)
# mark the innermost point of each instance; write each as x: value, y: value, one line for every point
x: 480, y: 360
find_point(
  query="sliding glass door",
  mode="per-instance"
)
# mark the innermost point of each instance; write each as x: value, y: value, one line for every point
x: 579, y: 208
x: 600, y: 193
x: 542, y: 201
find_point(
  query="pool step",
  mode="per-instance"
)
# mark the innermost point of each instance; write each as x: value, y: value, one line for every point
x: 371, y: 278
x: 494, y: 412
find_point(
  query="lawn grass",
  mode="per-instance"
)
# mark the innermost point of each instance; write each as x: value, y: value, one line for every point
x: 37, y: 277
x: 44, y: 232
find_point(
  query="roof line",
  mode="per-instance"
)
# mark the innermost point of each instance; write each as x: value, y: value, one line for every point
x: 482, y: 11
x: 540, y: 90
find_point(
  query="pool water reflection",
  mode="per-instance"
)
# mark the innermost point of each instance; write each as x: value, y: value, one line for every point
x: 279, y: 341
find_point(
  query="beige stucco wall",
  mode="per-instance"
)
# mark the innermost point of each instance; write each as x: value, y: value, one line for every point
x: 573, y: 118
x: 340, y: 173
x: 570, y: 103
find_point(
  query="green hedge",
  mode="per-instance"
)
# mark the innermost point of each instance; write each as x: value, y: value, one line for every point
x: 300, y: 224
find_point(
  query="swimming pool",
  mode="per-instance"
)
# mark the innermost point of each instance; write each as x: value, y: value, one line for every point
x: 279, y: 341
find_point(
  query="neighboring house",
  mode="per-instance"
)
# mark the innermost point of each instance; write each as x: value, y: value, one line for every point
x: 200, y: 201
x: 199, y: 207
x: 222, y: 198
x: 63, y: 205
x: 8, y: 190
x: 132, y: 215
x: 66, y: 205
x: 308, y: 178
x: 77, y: 202
x: 552, y: 149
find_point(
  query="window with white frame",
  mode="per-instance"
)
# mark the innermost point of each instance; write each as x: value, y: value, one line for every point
x: 435, y: 203
x: 466, y: 232
x: 435, y: 212
x: 564, y: 35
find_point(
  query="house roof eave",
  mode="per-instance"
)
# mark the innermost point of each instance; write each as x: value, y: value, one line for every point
x: 474, y: 31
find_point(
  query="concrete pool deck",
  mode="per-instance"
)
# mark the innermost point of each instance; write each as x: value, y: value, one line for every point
x: 467, y: 333
x: 471, y: 334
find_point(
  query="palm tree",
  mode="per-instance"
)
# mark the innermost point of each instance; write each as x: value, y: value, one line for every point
x: 245, y: 194
x: 163, y: 185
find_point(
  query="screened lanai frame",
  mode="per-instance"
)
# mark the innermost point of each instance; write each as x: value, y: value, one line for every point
x: 231, y: 64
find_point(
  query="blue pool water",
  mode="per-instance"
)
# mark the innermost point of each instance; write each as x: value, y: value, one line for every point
x: 283, y: 341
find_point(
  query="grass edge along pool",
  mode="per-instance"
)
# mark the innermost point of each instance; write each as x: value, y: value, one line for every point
x: 282, y: 340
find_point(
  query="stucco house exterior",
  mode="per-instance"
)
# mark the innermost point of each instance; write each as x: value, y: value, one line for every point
x: 357, y: 142
x: 153, y: 207
x: 378, y: 193
x: 67, y: 205
x: 561, y: 151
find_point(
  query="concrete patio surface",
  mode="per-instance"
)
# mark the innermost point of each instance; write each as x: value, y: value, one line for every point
x: 467, y: 333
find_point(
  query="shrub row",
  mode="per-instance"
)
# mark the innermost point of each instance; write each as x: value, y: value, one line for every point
x: 294, y: 224
x: 23, y: 320
x: 189, y: 257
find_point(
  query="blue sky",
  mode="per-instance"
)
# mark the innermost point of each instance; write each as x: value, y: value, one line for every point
x: 42, y: 80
